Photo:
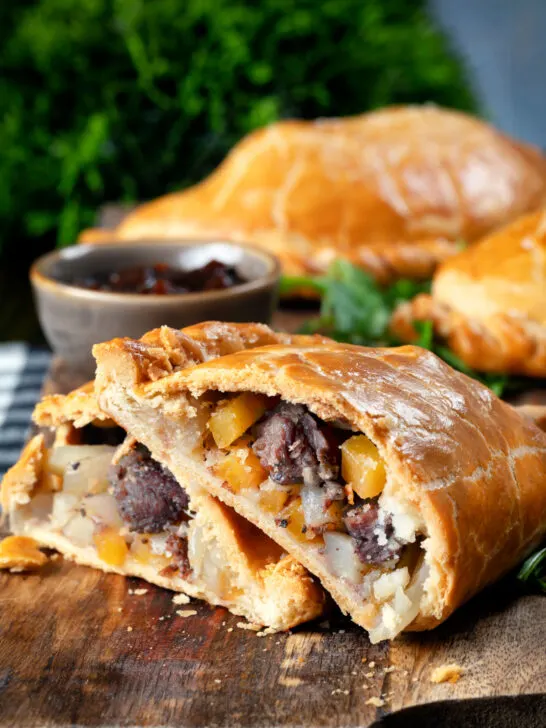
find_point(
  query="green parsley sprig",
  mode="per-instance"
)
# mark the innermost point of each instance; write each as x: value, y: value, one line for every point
x: 356, y: 310
x: 533, y: 571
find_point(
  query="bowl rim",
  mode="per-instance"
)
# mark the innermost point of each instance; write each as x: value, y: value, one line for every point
x: 41, y: 280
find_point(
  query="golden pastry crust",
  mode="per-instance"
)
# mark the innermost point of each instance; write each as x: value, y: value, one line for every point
x: 21, y: 479
x: 272, y: 588
x: 158, y: 353
x: 79, y: 407
x: 489, y: 303
x: 392, y: 190
x: 471, y: 465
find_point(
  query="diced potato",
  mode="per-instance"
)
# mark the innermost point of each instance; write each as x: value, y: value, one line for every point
x: 240, y: 469
x: 80, y: 530
x: 103, y: 509
x: 342, y: 557
x: 59, y: 458
x: 362, y: 466
x: 111, y: 546
x: 232, y: 418
x: 272, y: 501
x: 65, y: 506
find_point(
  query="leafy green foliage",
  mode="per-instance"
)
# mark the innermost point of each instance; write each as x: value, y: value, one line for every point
x: 119, y: 100
x: 533, y: 570
x: 355, y: 309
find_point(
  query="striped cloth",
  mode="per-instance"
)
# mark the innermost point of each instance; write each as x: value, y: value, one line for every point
x: 22, y: 372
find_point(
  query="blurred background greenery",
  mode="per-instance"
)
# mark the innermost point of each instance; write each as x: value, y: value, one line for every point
x: 124, y: 100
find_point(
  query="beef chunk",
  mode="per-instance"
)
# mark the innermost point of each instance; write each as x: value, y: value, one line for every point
x: 148, y: 496
x: 291, y: 443
x: 374, y: 539
x: 178, y: 546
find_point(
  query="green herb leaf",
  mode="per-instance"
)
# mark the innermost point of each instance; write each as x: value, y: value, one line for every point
x: 425, y: 330
x: 356, y: 310
x: 533, y: 570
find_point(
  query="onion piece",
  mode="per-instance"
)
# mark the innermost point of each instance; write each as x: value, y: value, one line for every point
x: 316, y: 514
x: 59, y: 458
x: 103, y: 509
x: 205, y: 563
x: 80, y: 530
x: 65, y: 505
x: 341, y: 556
x: 91, y: 474
x: 313, y: 501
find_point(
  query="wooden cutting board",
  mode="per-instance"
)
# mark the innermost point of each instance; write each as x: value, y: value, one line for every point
x: 79, y: 647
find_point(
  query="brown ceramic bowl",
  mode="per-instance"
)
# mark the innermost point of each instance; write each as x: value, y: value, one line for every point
x: 73, y: 318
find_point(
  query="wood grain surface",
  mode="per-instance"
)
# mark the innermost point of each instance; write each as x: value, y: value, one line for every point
x: 78, y: 648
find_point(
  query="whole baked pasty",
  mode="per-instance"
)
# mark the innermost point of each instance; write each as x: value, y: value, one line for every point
x: 117, y: 508
x: 402, y: 484
x: 489, y: 302
x: 393, y: 191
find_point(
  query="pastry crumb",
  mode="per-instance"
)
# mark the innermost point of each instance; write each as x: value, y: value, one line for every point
x: 376, y: 702
x: 265, y: 632
x: 181, y: 599
x: 20, y: 553
x: 372, y: 664
x: 446, y: 673
x: 129, y: 629
x: 339, y: 691
x: 229, y: 629
x: 186, y: 612
x: 217, y: 681
x: 249, y: 626
x: 369, y: 674
x: 139, y: 592
x: 392, y: 668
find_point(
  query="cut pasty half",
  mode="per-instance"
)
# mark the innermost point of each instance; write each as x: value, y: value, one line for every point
x: 403, y: 485
x: 489, y: 302
x: 99, y: 497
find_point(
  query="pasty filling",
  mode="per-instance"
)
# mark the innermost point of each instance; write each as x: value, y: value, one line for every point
x: 327, y: 486
x: 116, y: 501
